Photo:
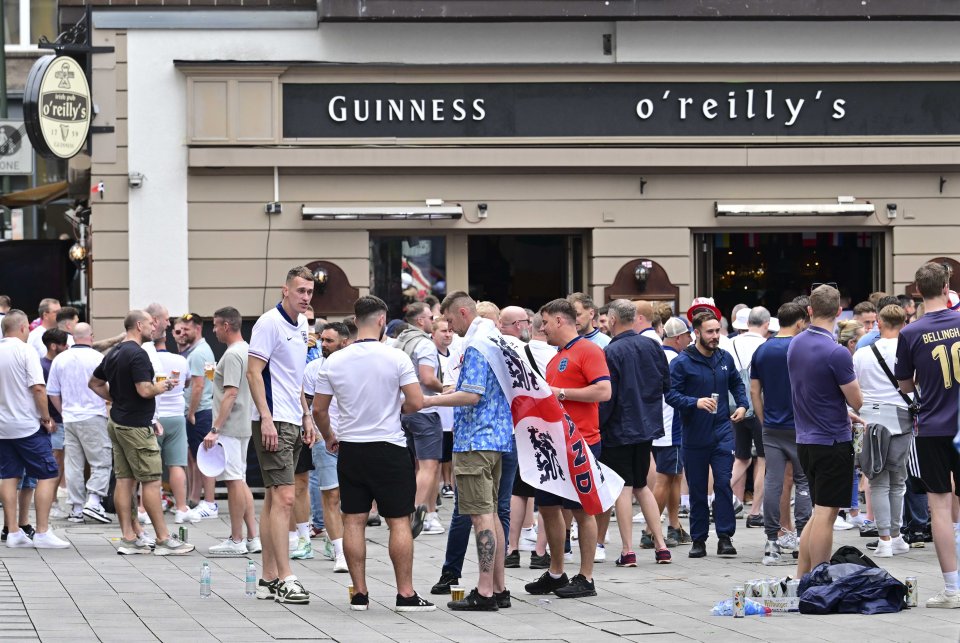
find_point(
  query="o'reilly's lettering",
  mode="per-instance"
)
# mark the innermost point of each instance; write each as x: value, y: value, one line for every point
x: 436, y: 110
x: 737, y: 105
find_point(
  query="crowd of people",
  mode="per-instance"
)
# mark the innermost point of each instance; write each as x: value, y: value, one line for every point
x: 366, y: 420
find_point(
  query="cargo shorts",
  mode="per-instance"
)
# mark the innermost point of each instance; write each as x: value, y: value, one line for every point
x: 136, y: 452
x: 278, y: 467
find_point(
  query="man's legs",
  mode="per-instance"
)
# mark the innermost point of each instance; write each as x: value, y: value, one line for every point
x: 24, y: 500
x: 150, y: 496
x: 721, y: 462
x: 696, y: 466
x: 123, y: 502
x: 428, y: 477
x: 587, y: 525
x: 332, y: 518
x: 458, y: 538
x: 490, y: 554
x: 651, y: 513
x: 817, y: 539
x: 551, y: 521
x: 237, y: 504
x: 518, y: 513
x: 941, y: 522
x: 401, y: 554
x: 277, y: 510
x: 73, y: 461
x: 8, y: 496
x: 508, y: 473
x: 316, y: 495
x: 177, y: 477
x: 759, y: 475
x: 738, y: 480
x: 355, y: 548
x: 194, y: 480
x: 773, y: 482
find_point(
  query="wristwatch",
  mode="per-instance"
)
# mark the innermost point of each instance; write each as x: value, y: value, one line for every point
x: 214, y: 430
x: 562, y: 395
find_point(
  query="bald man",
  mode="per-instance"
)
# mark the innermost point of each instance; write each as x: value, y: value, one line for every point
x: 648, y: 322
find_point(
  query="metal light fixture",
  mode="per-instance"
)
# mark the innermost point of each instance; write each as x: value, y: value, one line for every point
x: 77, y: 253
x: 321, y: 278
x: 641, y: 273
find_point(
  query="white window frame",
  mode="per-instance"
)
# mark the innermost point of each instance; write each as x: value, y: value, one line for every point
x: 24, y: 44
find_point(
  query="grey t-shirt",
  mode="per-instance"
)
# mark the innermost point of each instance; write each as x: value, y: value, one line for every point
x: 232, y: 371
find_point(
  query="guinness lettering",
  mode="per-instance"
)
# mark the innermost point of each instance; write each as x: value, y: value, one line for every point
x: 436, y: 110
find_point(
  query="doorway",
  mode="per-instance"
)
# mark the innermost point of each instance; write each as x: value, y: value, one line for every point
x: 769, y: 269
x: 525, y: 270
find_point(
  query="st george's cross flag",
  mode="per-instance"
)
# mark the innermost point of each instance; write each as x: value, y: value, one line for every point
x: 551, y: 452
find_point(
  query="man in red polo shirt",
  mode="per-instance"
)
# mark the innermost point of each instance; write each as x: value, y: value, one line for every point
x: 579, y: 377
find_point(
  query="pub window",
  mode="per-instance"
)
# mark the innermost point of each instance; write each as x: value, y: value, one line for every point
x: 26, y: 20
x: 407, y: 269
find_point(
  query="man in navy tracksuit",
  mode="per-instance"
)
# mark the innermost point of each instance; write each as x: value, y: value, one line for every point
x: 702, y: 369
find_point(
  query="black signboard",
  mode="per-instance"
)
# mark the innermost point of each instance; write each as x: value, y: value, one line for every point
x: 519, y: 110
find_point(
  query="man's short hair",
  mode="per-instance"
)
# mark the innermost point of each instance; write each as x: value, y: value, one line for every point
x: 46, y: 304
x: 454, y: 299
x: 645, y: 308
x: 905, y: 300
x: 299, y: 271
x: 931, y: 279
x: 603, y: 310
x: 190, y: 318
x: 562, y: 307
x: 825, y: 301
x: 864, y: 307
x: 54, y: 336
x: 339, y: 328
x: 13, y: 320
x: 368, y: 306
x: 133, y: 318
x: 802, y: 300
x: 623, y: 309
x: 155, y: 309
x: 537, y: 322
x: 230, y: 316
x: 892, y: 316
x: 790, y: 313
x: 5, y: 301
x: 413, y: 311
x: 585, y: 300
x: 664, y: 311
x: 703, y: 317
x: 758, y: 316
x: 875, y: 297
x: 351, y: 328
x: 887, y: 300
x: 436, y: 324
x: 67, y: 313
x: 431, y: 301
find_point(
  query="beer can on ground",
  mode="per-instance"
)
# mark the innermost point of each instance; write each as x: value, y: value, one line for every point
x: 350, y: 592
x: 776, y: 589
x: 911, y: 583
x: 858, y: 431
x: 182, y: 534
x: 793, y: 588
x: 457, y: 592
x: 739, y: 601
x: 715, y: 397
x: 753, y: 588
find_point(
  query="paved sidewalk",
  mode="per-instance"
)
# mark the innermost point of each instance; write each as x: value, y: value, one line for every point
x: 89, y: 593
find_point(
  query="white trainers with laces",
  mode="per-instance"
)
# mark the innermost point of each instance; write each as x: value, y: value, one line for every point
x: 146, y: 540
x: 57, y: 512
x: 190, y: 515
x: 772, y: 555
x: 600, y: 555
x: 432, y: 524
x: 340, y: 565
x: 254, y: 546
x: 856, y: 521
x: 528, y: 539
x: 49, y: 540
x: 19, y: 539
x: 206, y: 510
x: 144, y: 518
x: 788, y: 541
x: 841, y: 525
x: 944, y: 600
x: 229, y: 547
x: 97, y: 513
x: 884, y: 549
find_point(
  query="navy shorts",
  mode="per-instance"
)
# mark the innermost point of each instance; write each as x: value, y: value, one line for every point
x: 631, y: 462
x: 31, y: 456
x: 425, y: 432
x: 546, y: 499
x: 669, y: 460
x: 197, y: 432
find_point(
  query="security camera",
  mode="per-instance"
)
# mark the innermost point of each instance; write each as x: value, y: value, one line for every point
x: 891, y: 210
x: 482, y: 210
x: 135, y: 180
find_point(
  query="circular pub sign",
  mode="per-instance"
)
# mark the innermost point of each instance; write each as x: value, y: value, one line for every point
x: 57, y: 106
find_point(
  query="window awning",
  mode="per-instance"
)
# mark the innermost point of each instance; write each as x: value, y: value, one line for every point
x: 40, y: 195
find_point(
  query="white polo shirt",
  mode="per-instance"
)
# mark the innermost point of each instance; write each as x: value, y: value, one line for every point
x: 170, y: 404
x: 19, y: 370
x: 310, y: 374
x: 281, y: 342
x: 70, y: 373
x: 366, y: 377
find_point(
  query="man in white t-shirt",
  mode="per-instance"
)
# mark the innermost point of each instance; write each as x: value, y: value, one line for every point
x: 281, y: 426
x: 49, y: 307
x: 25, y: 428
x: 374, y: 464
x: 173, y: 442
x: 442, y: 339
x: 647, y: 321
x: 748, y: 431
x: 85, y: 425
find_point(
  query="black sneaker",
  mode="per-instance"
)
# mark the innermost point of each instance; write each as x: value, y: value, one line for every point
x: 539, y: 562
x: 443, y: 585
x: 473, y: 602
x: 416, y: 520
x: 699, y: 549
x: 359, y: 602
x: 546, y: 584
x: 672, y: 538
x: 413, y: 604
x: 680, y: 534
x: 869, y: 531
x: 373, y: 521
x: 578, y: 587
x: 755, y: 521
x: 503, y: 599
x: 513, y: 560
x: 873, y: 544
x: 725, y: 548
x: 646, y: 541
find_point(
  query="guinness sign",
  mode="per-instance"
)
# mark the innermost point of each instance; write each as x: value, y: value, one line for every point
x: 57, y: 106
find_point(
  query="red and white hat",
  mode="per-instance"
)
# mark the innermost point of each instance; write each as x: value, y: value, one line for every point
x: 700, y: 304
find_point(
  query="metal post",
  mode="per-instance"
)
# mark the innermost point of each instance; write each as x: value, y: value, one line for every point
x: 5, y: 186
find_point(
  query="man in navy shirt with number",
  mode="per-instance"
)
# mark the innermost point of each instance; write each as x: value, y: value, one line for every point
x: 927, y: 354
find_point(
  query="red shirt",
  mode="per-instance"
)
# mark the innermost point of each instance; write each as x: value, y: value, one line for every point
x: 578, y: 365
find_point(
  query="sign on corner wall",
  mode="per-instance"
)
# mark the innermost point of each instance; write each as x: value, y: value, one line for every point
x: 57, y: 107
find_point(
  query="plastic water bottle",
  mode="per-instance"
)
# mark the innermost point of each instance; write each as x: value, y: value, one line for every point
x: 251, y: 589
x: 205, y: 581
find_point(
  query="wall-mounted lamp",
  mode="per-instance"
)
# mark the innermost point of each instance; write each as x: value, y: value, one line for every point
x: 135, y: 180
x: 891, y: 210
x: 321, y: 278
x: 642, y: 272
x: 77, y: 253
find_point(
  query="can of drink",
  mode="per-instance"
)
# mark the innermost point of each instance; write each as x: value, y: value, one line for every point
x: 457, y: 592
x: 858, y: 431
x: 776, y: 588
x: 739, y: 601
x: 752, y: 588
x: 714, y: 397
x: 911, y: 591
x: 793, y: 588
x: 350, y: 591
x: 182, y: 534
x: 175, y: 375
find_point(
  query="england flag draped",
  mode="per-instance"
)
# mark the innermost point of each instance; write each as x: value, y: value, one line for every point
x: 552, y: 454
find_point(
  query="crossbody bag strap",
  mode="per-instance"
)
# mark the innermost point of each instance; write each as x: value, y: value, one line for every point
x: 533, y: 362
x: 886, y: 370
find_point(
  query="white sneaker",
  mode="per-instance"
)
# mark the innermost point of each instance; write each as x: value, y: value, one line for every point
x: 144, y: 518
x: 97, y: 513
x: 574, y: 531
x: 206, y: 510
x: 254, y: 546
x: 884, y: 549
x: 340, y: 565
x: 944, y: 600
x: 900, y: 546
x: 856, y: 521
x: 600, y: 555
x: 841, y: 525
x: 146, y: 540
x: 229, y: 547
x: 57, y: 512
x: 432, y: 525
x: 638, y: 518
x: 18, y: 539
x: 48, y: 540
x: 788, y: 541
x: 190, y: 515
x: 528, y: 539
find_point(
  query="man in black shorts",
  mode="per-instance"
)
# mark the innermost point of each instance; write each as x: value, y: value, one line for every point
x: 824, y: 383
x: 374, y: 463
x: 629, y: 423
x: 927, y: 359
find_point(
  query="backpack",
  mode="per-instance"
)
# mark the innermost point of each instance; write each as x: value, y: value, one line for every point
x: 745, y: 377
x: 409, y: 340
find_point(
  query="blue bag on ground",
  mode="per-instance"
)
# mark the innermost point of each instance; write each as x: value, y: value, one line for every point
x: 848, y: 588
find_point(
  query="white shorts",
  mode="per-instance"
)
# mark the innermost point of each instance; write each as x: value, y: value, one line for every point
x: 235, y: 450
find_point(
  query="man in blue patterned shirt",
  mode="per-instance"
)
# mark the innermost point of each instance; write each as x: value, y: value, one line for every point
x: 482, y: 436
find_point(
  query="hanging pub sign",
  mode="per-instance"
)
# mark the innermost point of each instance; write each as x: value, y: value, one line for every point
x: 57, y: 107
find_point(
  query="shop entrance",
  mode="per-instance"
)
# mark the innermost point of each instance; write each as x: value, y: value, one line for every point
x: 524, y: 269
x: 769, y: 269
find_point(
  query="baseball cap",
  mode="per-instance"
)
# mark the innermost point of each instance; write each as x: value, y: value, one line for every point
x: 743, y: 316
x: 675, y: 327
x: 700, y: 304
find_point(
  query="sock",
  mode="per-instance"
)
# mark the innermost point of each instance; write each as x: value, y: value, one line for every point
x: 292, y: 536
x: 303, y: 530
x: 950, y: 582
x: 290, y: 579
x: 685, y: 499
x: 338, y: 547
x: 710, y: 499
x: 93, y: 499
x: 555, y: 576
